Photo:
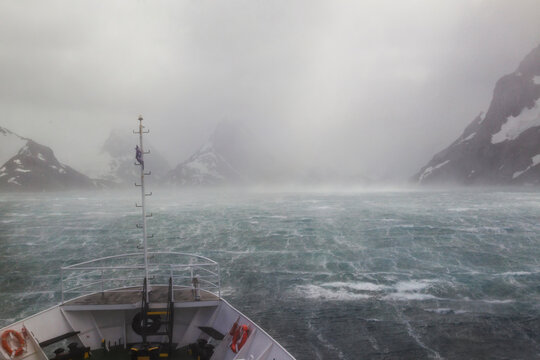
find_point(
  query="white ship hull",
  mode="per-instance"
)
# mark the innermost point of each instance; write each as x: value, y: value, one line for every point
x: 110, y: 324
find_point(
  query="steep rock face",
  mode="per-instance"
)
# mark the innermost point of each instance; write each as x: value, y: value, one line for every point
x: 230, y: 156
x: 33, y: 167
x: 115, y: 161
x: 502, y: 147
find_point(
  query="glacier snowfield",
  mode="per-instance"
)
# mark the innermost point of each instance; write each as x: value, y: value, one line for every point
x: 442, y: 274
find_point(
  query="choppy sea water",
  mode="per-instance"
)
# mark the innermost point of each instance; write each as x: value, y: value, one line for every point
x: 361, y: 275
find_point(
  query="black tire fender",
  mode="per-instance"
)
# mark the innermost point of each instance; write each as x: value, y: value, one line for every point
x: 152, y: 326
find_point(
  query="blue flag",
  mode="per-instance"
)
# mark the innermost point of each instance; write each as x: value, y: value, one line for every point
x: 138, y: 155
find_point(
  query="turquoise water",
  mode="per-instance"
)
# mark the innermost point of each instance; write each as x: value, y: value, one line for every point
x: 334, y: 275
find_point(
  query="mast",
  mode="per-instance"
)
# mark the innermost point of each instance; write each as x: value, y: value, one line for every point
x: 140, y: 162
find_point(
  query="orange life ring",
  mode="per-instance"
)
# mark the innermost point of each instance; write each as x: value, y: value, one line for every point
x: 236, y: 335
x: 5, y: 343
x: 245, y: 334
x: 239, y: 338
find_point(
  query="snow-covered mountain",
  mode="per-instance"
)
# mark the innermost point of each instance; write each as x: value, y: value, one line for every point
x: 230, y: 156
x: 501, y: 147
x: 29, y: 166
x: 205, y: 167
x: 117, y: 155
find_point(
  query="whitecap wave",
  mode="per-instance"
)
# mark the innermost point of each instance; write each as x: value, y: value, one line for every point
x: 358, y: 286
x: 338, y: 290
x: 411, y: 290
x: 321, y: 292
x: 516, y: 273
x: 446, y: 311
x: 406, y: 296
x: 413, y: 285
x: 497, y: 301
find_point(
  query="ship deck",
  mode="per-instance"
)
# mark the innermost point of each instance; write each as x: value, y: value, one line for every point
x: 128, y: 298
x: 124, y: 354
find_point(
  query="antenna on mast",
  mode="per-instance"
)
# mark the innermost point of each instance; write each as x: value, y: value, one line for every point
x: 139, y: 156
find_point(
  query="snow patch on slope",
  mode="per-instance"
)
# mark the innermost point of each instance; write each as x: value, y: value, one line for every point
x: 482, y: 117
x: 13, y: 180
x: 514, y: 126
x: 468, y: 137
x: 535, y: 161
x: 204, y: 167
x: 430, y: 169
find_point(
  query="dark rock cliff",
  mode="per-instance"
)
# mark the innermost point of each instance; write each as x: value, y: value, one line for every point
x: 501, y: 147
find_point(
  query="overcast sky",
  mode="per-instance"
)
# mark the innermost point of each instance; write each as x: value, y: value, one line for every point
x: 374, y: 86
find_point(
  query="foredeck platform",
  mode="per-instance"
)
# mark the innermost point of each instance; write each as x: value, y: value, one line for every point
x: 121, y: 354
x: 130, y: 298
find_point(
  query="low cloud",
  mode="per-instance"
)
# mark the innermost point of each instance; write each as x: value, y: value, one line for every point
x: 373, y: 86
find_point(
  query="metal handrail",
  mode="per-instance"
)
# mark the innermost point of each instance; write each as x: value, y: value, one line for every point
x: 100, y: 259
x: 210, y: 261
x: 76, y: 278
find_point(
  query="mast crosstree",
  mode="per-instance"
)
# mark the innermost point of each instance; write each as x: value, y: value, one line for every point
x: 139, y: 155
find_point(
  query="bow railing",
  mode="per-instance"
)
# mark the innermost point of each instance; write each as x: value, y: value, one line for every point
x: 126, y: 273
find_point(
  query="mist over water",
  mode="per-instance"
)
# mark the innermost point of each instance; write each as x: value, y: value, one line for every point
x: 370, y: 88
x: 380, y: 275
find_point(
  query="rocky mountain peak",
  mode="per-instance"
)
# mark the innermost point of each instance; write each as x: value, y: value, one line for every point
x: 530, y: 65
x: 502, y: 147
x: 33, y: 167
x: 231, y: 155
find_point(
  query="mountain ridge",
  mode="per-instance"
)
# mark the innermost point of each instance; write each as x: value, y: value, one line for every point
x: 230, y: 156
x: 502, y: 146
x: 31, y: 166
